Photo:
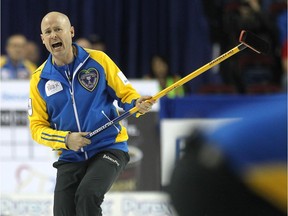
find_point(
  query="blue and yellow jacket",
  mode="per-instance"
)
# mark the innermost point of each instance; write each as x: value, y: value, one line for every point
x: 59, y: 105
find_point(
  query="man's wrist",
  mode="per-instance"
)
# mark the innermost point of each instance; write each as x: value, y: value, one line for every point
x: 135, y: 102
x: 66, y: 139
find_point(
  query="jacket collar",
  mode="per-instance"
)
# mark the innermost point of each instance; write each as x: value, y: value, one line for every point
x: 50, y: 71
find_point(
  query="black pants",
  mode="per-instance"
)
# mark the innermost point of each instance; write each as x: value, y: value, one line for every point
x: 80, y: 187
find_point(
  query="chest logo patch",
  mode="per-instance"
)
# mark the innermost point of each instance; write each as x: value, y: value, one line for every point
x: 52, y: 87
x: 89, y: 78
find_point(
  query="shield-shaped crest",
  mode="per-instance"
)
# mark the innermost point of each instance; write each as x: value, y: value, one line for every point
x: 88, y: 78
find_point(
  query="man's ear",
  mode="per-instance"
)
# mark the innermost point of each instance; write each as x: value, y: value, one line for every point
x: 72, y: 31
x: 41, y: 35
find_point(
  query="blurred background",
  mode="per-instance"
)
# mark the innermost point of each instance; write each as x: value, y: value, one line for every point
x: 155, y: 43
x: 189, y: 33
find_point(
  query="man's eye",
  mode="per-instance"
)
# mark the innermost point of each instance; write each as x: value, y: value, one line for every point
x: 47, y: 32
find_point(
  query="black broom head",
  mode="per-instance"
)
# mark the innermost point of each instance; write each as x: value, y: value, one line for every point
x: 254, y: 42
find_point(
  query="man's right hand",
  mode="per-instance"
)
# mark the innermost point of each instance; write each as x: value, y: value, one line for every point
x: 76, y: 140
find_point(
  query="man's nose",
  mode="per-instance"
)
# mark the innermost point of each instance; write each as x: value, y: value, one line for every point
x: 53, y: 34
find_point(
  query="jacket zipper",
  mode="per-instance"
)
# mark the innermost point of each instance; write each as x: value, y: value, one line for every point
x: 71, y: 89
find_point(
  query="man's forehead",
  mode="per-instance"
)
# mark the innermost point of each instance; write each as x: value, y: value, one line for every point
x: 55, y: 20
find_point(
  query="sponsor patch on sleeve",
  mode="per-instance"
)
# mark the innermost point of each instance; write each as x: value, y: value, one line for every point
x: 123, y: 78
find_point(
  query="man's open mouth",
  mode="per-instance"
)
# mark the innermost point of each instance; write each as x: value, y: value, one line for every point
x: 56, y: 45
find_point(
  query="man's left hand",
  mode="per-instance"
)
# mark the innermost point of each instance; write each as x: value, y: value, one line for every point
x: 144, y: 104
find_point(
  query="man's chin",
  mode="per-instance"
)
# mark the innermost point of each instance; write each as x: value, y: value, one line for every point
x: 57, y: 52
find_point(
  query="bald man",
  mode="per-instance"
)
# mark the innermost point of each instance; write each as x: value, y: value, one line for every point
x: 71, y: 94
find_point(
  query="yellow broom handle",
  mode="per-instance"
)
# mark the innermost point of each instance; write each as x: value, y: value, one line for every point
x: 199, y: 71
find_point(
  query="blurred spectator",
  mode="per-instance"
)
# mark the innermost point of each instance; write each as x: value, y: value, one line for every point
x: 97, y: 42
x: 84, y: 42
x: 239, y: 169
x: 249, y: 68
x: 32, y: 52
x: 284, y: 65
x: 15, y: 65
x: 281, y: 20
x: 160, y: 71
